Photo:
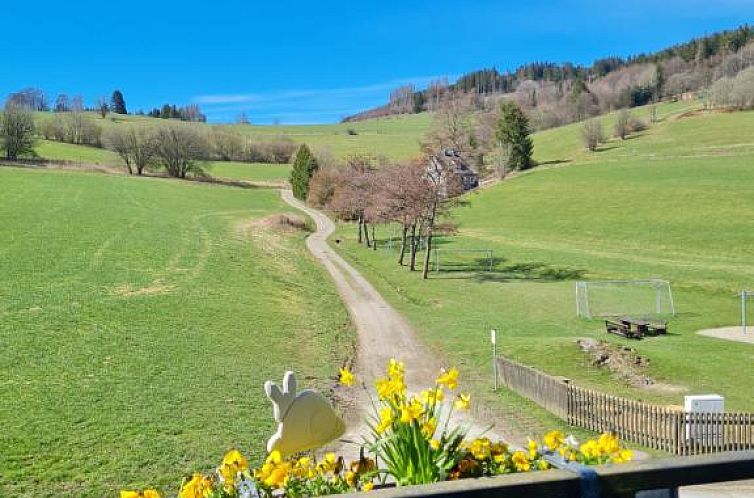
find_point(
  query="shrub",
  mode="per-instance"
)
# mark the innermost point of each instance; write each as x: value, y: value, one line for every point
x: 592, y: 133
x: 304, y: 167
x: 16, y: 131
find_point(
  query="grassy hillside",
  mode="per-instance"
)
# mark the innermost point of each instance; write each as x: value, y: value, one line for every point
x: 257, y: 172
x: 140, y: 318
x: 395, y: 137
x: 676, y: 202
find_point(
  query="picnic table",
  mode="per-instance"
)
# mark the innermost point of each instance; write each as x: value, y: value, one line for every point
x: 635, y: 328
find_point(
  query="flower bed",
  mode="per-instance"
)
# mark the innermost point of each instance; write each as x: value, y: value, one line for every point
x: 411, y: 441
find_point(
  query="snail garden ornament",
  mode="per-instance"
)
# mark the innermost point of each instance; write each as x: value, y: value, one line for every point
x: 305, y: 420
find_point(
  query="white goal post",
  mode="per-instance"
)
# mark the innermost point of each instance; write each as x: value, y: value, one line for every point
x: 745, y: 296
x: 437, y: 255
x: 612, y: 298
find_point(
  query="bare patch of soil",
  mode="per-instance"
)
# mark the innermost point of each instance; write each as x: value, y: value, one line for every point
x: 156, y: 287
x: 735, y: 333
x: 625, y: 364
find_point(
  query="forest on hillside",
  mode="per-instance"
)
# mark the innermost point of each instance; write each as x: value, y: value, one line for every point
x: 554, y: 94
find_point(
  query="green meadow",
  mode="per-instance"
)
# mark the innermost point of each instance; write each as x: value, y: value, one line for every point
x: 140, y: 318
x: 675, y: 202
x: 254, y: 172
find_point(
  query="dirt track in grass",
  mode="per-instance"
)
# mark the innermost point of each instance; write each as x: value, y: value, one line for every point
x: 382, y: 334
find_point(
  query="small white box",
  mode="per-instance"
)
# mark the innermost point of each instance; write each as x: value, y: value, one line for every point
x: 705, y: 432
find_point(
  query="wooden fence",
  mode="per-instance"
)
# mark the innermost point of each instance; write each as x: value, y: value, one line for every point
x: 652, y: 426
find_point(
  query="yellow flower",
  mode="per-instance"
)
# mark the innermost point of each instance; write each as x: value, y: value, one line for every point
x: 554, y: 440
x: 429, y: 427
x: 368, y: 486
x: 448, y: 378
x: 395, y: 369
x: 278, y: 477
x: 386, y: 420
x: 274, y: 458
x: 481, y: 448
x: 235, y: 458
x: 520, y: 461
x: 411, y: 411
x: 387, y: 389
x: 432, y: 396
x: 199, y: 486
x: 346, y: 377
x: 590, y: 449
x: 543, y: 465
x: 463, y: 402
x: 434, y: 444
x: 351, y: 478
x: 130, y: 494
x: 623, y: 456
x: 608, y: 444
x: 533, y: 449
x: 151, y: 493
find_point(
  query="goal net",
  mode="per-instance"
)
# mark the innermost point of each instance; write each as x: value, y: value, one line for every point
x: 462, y: 259
x: 636, y: 298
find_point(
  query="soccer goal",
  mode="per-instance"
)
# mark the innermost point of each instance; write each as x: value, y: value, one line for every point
x: 462, y: 259
x: 747, y: 310
x: 651, y: 298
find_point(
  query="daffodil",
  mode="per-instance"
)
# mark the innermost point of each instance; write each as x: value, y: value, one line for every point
x: 533, y: 449
x: 448, y: 378
x: 463, y: 402
x: 432, y: 396
x: 429, y: 427
x: 434, y: 444
x: 411, y: 411
x: 346, y: 377
x: 395, y: 369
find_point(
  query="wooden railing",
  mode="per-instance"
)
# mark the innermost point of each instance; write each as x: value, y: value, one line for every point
x: 608, y: 481
x: 652, y: 426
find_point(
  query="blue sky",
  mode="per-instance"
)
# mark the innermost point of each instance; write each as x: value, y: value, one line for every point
x: 317, y: 61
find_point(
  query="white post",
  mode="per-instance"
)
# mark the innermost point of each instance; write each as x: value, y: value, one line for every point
x: 493, y: 338
x: 743, y: 312
x: 670, y: 297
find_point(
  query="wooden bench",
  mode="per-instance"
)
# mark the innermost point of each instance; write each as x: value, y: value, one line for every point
x: 635, y: 328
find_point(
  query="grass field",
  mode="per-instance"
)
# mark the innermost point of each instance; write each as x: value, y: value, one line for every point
x: 676, y: 202
x: 256, y: 172
x: 140, y: 318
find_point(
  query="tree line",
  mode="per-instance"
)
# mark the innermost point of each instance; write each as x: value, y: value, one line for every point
x: 556, y: 94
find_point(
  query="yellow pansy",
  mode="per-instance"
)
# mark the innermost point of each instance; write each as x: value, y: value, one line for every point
x: 130, y: 494
x: 368, y: 486
x: 608, y: 443
x: 448, y: 378
x: 554, y: 440
x: 463, y: 402
x: 346, y: 377
x: 199, y: 486
x: 481, y: 448
x: 520, y: 461
x: 623, y: 456
x: 543, y: 465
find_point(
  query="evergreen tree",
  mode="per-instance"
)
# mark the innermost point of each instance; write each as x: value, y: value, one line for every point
x: 304, y: 167
x: 513, y: 135
x: 118, y: 103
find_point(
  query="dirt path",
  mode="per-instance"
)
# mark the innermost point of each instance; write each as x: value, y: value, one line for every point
x: 382, y: 332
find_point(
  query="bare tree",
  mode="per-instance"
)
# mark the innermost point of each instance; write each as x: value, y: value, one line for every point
x: 242, y: 118
x: 77, y: 103
x: 16, y: 131
x: 103, y: 107
x: 621, y: 129
x: 592, y: 133
x: 134, y: 144
x: 180, y: 149
x: 62, y: 103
